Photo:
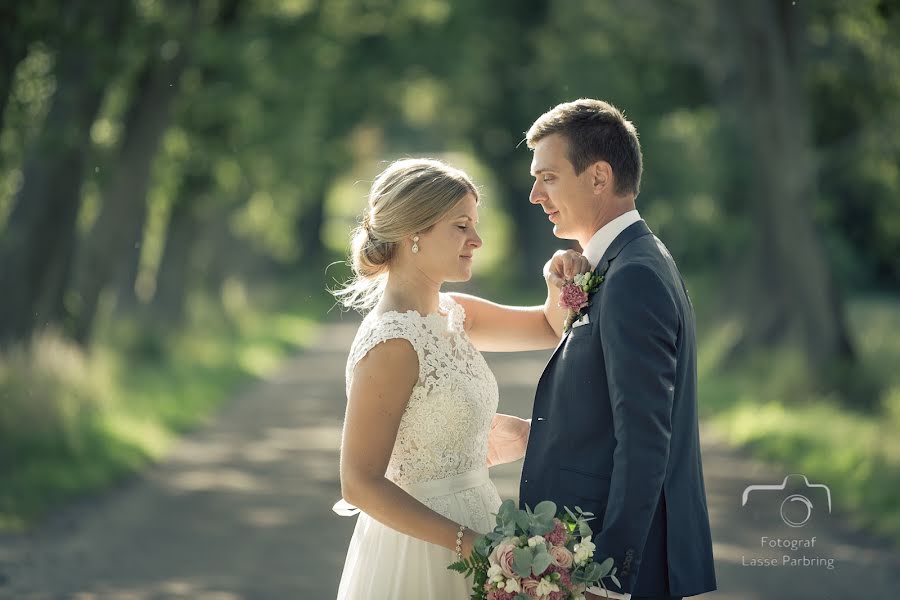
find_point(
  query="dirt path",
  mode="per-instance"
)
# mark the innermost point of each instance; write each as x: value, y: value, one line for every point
x: 241, y: 510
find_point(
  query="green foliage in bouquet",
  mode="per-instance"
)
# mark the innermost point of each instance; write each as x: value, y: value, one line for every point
x: 531, y: 556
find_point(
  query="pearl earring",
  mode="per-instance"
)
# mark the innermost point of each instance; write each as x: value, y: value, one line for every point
x: 415, y: 247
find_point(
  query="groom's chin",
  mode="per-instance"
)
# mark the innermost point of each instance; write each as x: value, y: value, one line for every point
x: 561, y: 233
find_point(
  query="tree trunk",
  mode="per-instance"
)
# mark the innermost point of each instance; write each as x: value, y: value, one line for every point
x: 13, y: 47
x: 36, y: 248
x: 309, y: 229
x: 104, y: 253
x: 793, y: 295
x: 174, y: 275
x: 126, y: 296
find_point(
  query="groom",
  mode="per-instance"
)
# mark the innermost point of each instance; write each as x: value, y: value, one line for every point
x: 614, y: 429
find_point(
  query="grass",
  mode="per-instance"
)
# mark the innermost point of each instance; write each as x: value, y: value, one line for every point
x: 73, y: 422
x: 769, y: 407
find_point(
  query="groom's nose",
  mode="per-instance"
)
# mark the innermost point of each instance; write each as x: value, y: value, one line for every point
x: 537, y: 196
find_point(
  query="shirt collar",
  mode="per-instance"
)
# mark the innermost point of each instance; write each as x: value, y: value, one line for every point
x: 605, y: 236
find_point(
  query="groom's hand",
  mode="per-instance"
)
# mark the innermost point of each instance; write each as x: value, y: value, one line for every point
x: 564, y: 266
x: 507, y: 439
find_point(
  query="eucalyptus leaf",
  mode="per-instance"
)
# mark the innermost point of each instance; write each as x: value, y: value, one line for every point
x: 507, y: 511
x: 540, y: 562
x: 483, y: 546
x: 606, y: 566
x: 615, y: 580
x: 545, y: 509
x: 584, y: 530
x: 542, y: 526
x: 592, y: 572
x: 523, y: 520
x: 522, y: 561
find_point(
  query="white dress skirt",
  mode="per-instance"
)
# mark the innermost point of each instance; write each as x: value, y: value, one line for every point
x: 384, y: 564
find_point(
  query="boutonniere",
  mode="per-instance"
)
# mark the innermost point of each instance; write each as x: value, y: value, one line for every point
x: 576, y: 296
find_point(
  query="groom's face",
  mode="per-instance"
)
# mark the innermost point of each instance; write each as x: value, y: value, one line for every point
x: 567, y: 198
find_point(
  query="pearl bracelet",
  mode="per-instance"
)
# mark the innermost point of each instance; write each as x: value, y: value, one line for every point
x: 459, y: 538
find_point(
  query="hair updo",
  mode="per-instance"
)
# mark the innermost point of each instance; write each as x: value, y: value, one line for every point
x: 408, y: 197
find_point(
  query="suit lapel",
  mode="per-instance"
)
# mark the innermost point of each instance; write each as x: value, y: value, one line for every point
x: 631, y: 233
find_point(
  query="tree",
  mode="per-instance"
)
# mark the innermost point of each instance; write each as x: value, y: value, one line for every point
x: 791, y: 293
x: 36, y: 249
x: 121, y: 220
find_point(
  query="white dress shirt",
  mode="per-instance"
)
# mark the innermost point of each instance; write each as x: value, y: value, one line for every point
x: 607, y: 234
x: 594, y: 251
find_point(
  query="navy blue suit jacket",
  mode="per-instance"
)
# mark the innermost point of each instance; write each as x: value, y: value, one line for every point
x: 615, y: 424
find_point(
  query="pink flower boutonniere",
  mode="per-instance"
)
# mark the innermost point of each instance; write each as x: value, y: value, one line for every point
x: 576, y: 296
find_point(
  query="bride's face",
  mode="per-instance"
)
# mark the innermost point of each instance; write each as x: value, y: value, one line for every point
x: 447, y: 250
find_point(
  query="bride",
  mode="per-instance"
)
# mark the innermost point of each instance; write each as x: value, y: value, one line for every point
x: 421, y: 427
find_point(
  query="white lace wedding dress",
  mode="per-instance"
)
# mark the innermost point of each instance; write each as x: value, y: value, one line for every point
x: 439, y: 458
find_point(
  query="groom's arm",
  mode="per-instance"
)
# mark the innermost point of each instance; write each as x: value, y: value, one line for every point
x: 639, y: 328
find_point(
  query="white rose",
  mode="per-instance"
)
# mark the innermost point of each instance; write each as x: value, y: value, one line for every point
x: 512, y: 585
x: 532, y: 542
x: 545, y: 586
x: 584, y: 551
x: 587, y: 545
x: 495, y: 573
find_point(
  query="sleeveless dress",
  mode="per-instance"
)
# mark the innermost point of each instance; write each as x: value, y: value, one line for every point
x: 439, y: 457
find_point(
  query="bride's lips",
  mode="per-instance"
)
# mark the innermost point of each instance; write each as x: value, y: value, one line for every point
x: 466, y: 257
x: 552, y: 214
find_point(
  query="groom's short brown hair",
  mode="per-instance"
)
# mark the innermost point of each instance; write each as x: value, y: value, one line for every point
x: 595, y: 130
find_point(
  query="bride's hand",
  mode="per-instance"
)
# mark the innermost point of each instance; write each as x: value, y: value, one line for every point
x: 507, y: 439
x: 564, y: 266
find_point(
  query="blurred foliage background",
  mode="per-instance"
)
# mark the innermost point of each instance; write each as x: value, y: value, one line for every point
x: 178, y: 179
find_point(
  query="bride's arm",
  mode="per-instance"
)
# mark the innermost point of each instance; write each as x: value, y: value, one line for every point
x: 381, y: 387
x: 498, y: 328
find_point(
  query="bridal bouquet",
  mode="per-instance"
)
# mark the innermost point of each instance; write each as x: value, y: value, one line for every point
x: 535, y: 555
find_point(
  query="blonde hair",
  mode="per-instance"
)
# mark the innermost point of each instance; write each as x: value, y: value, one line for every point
x: 408, y: 197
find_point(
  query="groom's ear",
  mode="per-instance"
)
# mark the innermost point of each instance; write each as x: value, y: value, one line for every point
x: 601, y: 175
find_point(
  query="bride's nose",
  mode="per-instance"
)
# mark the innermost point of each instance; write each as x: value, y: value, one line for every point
x: 475, y: 241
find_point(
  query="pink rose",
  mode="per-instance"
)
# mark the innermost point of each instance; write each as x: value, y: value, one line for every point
x: 573, y: 297
x: 561, y: 557
x: 503, y: 556
x: 529, y: 587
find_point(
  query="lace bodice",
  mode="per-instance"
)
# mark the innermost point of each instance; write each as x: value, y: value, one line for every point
x: 444, y: 430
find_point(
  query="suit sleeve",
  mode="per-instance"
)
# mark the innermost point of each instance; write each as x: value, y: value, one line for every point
x: 639, y: 327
